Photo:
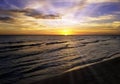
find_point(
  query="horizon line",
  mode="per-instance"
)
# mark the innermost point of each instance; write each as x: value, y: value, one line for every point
x: 58, y: 35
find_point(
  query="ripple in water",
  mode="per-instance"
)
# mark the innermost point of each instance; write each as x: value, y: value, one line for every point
x: 24, y: 59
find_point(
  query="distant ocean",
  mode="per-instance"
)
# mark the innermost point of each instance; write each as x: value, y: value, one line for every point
x: 32, y: 58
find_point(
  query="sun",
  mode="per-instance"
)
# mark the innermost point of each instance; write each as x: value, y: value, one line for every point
x: 66, y: 32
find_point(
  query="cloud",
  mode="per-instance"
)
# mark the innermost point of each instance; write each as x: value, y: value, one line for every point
x: 43, y: 15
x: 30, y: 13
x: 102, y: 1
x: 78, y: 5
x: 44, y: 9
x: 38, y: 15
x: 18, y: 19
x: 6, y: 19
x: 116, y: 25
x: 107, y: 18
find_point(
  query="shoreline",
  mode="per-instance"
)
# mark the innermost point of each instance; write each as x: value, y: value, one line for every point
x: 106, y: 72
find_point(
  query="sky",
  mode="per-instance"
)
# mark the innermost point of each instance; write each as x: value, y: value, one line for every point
x: 59, y: 17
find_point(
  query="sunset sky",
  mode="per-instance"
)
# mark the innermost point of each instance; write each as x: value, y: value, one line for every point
x: 59, y: 17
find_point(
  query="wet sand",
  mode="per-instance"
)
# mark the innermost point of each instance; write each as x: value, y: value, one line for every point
x: 107, y: 72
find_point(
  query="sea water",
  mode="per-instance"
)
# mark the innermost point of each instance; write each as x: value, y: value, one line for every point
x: 26, y: 59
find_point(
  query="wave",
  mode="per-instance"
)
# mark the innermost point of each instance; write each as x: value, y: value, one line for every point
x: 25, y: 60
x: 15, y: 42
x: 38, y: 51
x: 57, y: 42
x: 17, y: 47
x: 89, y: 42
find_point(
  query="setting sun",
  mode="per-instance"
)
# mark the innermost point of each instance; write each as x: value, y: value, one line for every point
x: 66, y: 32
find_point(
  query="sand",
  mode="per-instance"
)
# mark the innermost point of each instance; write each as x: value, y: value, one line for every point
x: 107, y: 72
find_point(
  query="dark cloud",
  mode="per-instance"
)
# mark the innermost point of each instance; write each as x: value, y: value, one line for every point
x: 6, y: 19
x: 44, y: 16
x: 29, y: 12
x: 38, y: 15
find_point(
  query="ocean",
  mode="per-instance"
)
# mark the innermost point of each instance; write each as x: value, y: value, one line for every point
x: 27, y: 59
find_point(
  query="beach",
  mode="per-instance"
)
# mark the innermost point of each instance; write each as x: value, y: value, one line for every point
x: 107, y: 72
